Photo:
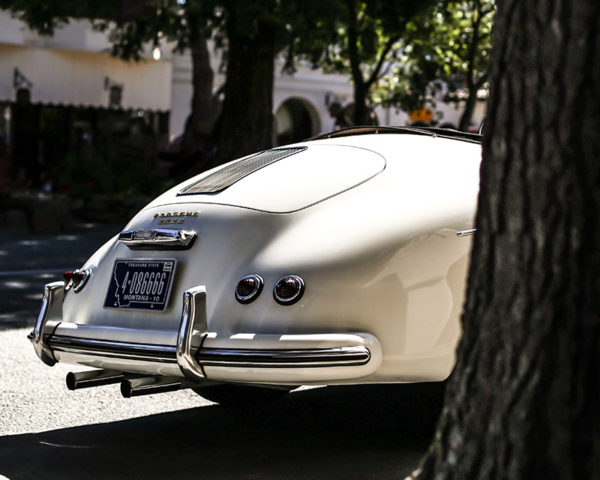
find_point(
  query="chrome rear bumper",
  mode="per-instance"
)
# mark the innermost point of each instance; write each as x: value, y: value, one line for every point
x: 315, y: 357
x: 215, y: 357
x: 196, y: 351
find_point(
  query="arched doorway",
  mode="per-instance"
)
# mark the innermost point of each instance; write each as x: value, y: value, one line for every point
x: 295, y: 120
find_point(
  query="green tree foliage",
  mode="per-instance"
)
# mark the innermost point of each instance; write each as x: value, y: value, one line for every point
x: 361, y: 38
x: 446, y: 47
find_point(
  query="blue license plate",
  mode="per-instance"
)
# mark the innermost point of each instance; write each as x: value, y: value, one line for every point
x: 140, y: 284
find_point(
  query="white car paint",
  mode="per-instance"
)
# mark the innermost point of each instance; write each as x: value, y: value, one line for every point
x: 370, y: 222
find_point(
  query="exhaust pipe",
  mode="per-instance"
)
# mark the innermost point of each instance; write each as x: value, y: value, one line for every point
x: 134, y: 387
x: 93, y: 378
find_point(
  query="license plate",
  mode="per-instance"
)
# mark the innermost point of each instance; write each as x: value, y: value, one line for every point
x: 140, y: 284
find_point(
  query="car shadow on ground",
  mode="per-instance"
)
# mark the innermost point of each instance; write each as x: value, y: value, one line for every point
x: 327, y: 433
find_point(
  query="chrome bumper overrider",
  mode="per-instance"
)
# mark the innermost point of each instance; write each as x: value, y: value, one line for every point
x: 49, y: 317
x: 192, y: 331
x: 189, y: 355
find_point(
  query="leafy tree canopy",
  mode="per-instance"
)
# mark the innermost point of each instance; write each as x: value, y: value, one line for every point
x: 447, y: 47
x: 361, y: 38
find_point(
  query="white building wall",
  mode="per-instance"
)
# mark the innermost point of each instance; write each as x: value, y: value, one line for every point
x: 181, y: 87
x: 73, y: 67
x: 81, y: 78
x: 181, y: 94
x: 11, y: 30
x: 318, y: 90
x: 313, y: 87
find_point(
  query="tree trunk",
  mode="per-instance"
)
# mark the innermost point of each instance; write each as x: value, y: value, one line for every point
x: 360, y: 114
x: 523, y: 401
x: 246, y: 121
x: 465, y: 118
x: 203, y: 113
x: 467, y: 115
x: 361, y: 89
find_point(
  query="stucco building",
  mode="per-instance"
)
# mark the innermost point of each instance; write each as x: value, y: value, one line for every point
x: 72, y: 79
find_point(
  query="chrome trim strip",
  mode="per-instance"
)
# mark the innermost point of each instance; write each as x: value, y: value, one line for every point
x: 214, y: 357
x: 107, y: 354
x: 158, y: 238
x: 322, y: 357
x: 465, y: 233
x: 318, y: 357
x: 109, y: 348
x: 49, y: 316
x: 192, y: 332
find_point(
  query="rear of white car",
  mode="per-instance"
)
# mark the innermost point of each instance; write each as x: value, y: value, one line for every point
x: 335, y: 261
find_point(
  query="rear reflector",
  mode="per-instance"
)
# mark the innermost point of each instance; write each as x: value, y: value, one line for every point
x: 248, y: 288
x: 288, y: 290
x: 75, y: 279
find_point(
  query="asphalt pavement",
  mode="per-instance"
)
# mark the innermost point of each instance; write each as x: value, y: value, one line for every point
x: 48, y: 432
x: 29, y: 261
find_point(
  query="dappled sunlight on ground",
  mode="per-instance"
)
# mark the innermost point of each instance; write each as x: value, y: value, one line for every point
x: 29, y: 261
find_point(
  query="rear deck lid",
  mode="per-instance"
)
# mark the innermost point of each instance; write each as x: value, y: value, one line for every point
x: 285, y: 179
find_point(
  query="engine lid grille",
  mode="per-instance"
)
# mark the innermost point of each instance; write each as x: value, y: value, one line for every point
x: 227, y: 176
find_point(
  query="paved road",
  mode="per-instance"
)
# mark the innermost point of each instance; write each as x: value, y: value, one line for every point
x: 48, y: 432
x: 28, y: 262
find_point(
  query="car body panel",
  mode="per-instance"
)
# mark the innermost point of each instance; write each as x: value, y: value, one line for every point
x: 377, y: 244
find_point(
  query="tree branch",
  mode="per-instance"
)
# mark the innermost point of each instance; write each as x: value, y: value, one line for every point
x: 353, y: 46
x: 375, y: 73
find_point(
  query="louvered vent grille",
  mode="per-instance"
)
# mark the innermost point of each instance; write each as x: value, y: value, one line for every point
x: 227, y: 176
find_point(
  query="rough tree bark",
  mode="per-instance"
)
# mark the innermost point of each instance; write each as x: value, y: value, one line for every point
x: 523, y: 401
x: 246, y: 121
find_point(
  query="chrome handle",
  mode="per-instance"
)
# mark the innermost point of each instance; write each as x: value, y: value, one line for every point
x: 158, y: 238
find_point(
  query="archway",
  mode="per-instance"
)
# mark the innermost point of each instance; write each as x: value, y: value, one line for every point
x: 295, y: 120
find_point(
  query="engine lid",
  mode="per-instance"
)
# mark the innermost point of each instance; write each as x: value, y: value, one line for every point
x: 286, y: 179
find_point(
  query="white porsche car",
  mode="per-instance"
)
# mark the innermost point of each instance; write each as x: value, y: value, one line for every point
x: 339, y: 260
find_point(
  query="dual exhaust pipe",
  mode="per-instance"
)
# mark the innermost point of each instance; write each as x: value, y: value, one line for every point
x: 132, y: 385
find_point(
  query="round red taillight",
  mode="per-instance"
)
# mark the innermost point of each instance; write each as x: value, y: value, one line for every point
x: 248, y: 288
x: 75, y: 279
x: 288, y: 289
x: 68, y: 280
